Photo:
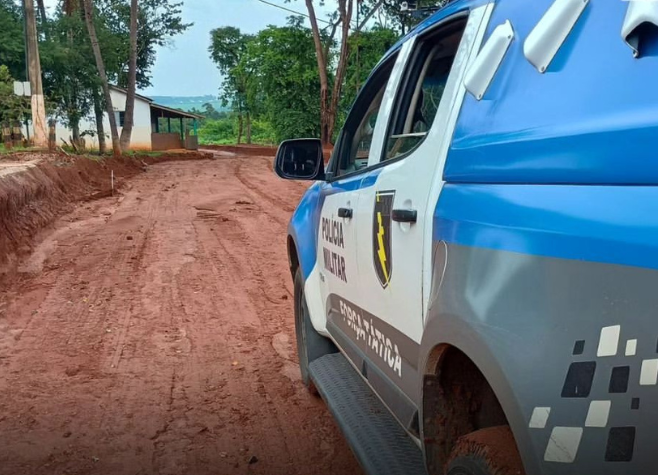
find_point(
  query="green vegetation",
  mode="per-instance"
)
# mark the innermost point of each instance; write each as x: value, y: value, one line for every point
x: 224, y: 131
x: 281, y: 82
x: 70, y: 78
x: 12, y: 107
x: 4, y: 151
x: 271, y: 83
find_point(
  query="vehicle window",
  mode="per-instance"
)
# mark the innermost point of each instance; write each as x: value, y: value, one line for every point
x: 419, y: 100
x: 360, y: 125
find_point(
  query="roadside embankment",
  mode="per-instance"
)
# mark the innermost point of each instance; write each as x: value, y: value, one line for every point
x: 37, y: 188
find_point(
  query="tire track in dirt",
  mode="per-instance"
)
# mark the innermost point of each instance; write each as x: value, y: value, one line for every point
x: 185, y: 364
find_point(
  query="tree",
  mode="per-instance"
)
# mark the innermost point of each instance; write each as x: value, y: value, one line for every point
x: 367, y: 48
x: 89, y: 20
x: 284, y: 79
x: 12, y: 107
x: 210, y: 112
x: 227, y: 49
x: 69, y: 73
x: 129, y: 41
x: 389, y: 14
x: 158, y: 22
x: 12, y: 46
x: 42, y: 11
x: 323, y: 44
x: 127, y: 130
x: 36, y: 78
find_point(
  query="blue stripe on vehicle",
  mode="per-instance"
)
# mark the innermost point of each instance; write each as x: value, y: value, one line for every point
x: 305, y: 222
x: 611, y: 224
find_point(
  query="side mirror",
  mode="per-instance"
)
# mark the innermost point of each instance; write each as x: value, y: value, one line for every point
x: 300, y: 159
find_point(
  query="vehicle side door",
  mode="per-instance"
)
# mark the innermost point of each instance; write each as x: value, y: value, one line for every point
x: 395, y: 214
x: 361, y: 139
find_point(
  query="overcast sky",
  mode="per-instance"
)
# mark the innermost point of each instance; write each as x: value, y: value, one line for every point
x: 184, y: 67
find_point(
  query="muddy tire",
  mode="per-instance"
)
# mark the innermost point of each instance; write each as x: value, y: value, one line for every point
x: 310, y: 344
x: 490, y: 451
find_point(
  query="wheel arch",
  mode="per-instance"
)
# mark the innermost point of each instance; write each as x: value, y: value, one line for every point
x: 463, y: 390
x: 293, y: 255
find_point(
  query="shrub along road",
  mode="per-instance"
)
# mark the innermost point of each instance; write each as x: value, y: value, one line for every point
x: 152, y: 333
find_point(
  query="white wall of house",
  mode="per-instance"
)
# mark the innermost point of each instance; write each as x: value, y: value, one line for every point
x: 141, y: 134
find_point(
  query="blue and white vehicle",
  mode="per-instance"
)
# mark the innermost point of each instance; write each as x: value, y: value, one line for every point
x: 476, y: 268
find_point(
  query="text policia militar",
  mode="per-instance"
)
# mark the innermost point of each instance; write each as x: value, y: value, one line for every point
x: 332, y: 233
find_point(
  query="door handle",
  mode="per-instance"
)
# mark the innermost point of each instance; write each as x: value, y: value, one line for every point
x: 405, y: 215
x: 345, y: 213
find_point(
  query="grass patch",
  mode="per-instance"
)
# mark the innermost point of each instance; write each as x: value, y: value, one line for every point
x: 5, y: 151
x: 144, y: 154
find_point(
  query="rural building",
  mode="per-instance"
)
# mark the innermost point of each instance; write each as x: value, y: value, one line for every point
x: 156, y: 127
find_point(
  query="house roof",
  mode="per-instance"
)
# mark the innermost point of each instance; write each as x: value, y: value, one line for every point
x: 125, y: 91
x: 158, y: 110
x: 163, y: 111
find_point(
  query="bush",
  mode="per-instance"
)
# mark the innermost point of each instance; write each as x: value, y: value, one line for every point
x: 225, y: 132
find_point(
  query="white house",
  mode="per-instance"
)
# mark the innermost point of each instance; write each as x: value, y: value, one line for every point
x: 151, y: 129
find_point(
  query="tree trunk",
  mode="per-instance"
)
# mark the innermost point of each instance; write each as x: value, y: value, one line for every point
x: 89, y: 19
x: 42, y: 10
x: 239, y: 127
x: 345, y: 9
x: 329, y: 105
x: 42, y: 16
x: 100, y: 128
x: 322, y: 70
x: 128, y: 121
x: 248, y: 128
x: 75, y: 133
x: 34, y: 66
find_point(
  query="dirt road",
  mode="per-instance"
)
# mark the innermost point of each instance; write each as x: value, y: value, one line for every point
x: 152, y: 333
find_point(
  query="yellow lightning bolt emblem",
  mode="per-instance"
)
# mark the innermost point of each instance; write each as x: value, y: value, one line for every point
x: 381, y: 252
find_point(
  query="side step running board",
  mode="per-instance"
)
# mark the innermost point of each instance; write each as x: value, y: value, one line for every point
x: 378, y: 441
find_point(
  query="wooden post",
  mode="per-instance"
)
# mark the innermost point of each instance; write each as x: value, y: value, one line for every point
x: 169, y: 124
x: 182, y: 131
x: 6, y: 135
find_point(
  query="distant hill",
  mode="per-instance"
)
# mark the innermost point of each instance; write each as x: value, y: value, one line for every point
x: 188, y: 103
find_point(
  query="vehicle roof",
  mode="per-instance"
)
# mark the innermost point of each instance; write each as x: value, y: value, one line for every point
x: 450, y: 9
x: 589, y: 118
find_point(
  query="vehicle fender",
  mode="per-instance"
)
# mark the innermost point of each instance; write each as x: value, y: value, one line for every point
x: 457, y: 317
x: 303, y: 230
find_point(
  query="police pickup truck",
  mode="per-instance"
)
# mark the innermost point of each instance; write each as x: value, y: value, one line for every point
x: 476, y: 268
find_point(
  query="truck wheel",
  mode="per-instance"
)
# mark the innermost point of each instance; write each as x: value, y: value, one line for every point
x: 490, y: 451
x: 310, y: 344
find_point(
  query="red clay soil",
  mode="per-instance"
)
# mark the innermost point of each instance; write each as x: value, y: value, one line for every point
x: 493, y: 448
x: 152, y: 332
x: 257, y: 150
x: 244, y: 150
x: 31, y: 200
